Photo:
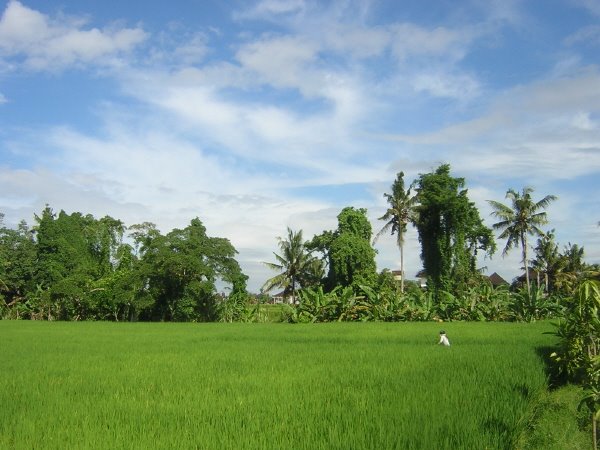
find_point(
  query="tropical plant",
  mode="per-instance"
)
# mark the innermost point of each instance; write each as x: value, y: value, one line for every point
x: 296, y: 265
x: 578, y: 355
x: 534, y: 304
x: 399, y: 214
x: 547, y: 260
x: 521, y: 219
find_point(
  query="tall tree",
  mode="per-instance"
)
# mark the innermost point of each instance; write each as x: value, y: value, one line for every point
x: 522, y: 218
x: 17, y: 266
x: 398, y: 215
x: 348, y: 251
x: 295, y: 263
x: 547, y: 259
x: 450, y: 231
x: 181, y: 269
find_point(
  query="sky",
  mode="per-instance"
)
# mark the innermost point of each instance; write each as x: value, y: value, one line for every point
x: 256, y: 116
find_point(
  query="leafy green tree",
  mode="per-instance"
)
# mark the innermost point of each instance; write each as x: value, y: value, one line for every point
x: 75, y: 252
x: 67, y: 265
x: 522, y: 218
x: 450, y: 231
x: 297, y: 267
x: 398, y: 215
x: 348, y: 251
x: 181, y: 268
x: 17, y: 267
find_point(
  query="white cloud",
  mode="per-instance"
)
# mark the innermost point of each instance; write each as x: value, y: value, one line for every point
x: 272, y: 8
x: 410, y: 40
x: 593, y: 6
x: 589, y: 35
x: 42, y: 43
x: 283, y: 62
x: 545, y: 129
x: 461, y: 86
x: 3, y: 98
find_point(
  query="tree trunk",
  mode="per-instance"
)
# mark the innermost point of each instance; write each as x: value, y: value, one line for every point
x: 401, y: 245
x: 594, y: 433
x: 524, y: 243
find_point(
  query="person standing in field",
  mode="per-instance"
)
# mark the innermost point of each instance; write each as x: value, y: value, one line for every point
x: 444, y: 339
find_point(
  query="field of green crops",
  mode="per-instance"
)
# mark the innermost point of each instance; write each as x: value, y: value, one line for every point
x: 267, y: 386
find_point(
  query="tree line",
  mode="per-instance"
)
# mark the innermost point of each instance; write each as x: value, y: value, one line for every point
x: 452, y: 236
x: 78, y: 267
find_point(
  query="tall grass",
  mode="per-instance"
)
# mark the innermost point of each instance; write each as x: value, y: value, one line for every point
x: 258, y: 386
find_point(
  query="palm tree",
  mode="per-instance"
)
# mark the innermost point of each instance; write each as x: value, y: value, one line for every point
x: 296, y: 264
x: 399, y: 214
x: 522, y: 218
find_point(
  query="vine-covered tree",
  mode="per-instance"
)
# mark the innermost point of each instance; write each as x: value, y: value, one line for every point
x: 522, y: 218
x: 450, y: 231
x: 348, y: 251
x: 400, y: 213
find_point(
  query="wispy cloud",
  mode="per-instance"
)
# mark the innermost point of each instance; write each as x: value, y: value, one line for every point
x: 38, y: 42
x: 308, y: 98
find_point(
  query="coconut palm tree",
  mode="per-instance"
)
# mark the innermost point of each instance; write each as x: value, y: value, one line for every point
x: 398, y: 215
x: 522, y: 218
x: 296, y: 265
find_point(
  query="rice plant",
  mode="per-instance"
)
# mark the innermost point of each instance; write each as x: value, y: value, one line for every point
x: 261, y: 386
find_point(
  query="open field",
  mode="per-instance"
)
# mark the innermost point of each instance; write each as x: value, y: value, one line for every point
x: 347, y: 385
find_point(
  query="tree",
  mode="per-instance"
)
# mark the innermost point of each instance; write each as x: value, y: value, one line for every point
x: 522, y: 218
x: 181, y: 269
x: 296, y: 265
x: 547, y: 259
x: 398, y: 215
x: 450, y: 231
x: 572, y: 268
x: 348, y: 251
x: 17, y: 267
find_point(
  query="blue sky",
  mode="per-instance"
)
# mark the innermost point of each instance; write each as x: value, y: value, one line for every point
x: 256, y: 116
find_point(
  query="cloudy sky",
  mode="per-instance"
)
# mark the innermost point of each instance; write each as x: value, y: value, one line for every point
x: 256, y: 116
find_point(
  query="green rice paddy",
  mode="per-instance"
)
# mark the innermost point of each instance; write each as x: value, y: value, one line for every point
x: 268, y: 386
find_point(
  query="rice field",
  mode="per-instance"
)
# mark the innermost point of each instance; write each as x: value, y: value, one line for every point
x: 267, y: 386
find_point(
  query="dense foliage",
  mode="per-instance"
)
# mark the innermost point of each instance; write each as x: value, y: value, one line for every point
x: 578, y: 354
x: 77, y: 267
x: 450, y: 231
x: 349, y: 255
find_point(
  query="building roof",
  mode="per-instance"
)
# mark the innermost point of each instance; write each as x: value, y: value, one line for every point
x: 497, y: 280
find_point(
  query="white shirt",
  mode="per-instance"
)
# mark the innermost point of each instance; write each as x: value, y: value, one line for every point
x: 444, y: 340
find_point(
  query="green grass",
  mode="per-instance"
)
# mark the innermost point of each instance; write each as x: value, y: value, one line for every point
x: 261, y: 386
x: 556, y: 424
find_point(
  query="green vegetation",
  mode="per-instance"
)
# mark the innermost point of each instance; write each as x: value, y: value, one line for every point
x: 556, y: 423
x: 521, y: 219
x: 400, y: 212
x: 78, y: 267
x: 578, y: 355
x: 450, y: 231
x: 347, y: 251
x: 249, y: 386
